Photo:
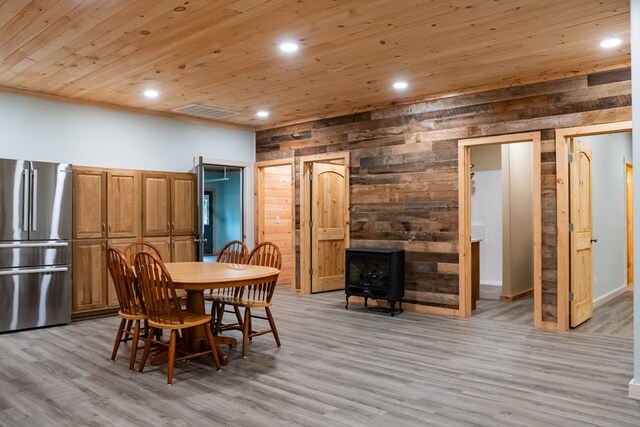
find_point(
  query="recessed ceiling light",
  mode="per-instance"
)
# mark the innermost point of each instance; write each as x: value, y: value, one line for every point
x: 150, y: 93
x: 400, y: 84
x: 288, y: 47
x: 610, y: 42
x: 262, y: 114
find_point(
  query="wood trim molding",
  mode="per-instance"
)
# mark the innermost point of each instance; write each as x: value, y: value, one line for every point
x: 464, y: 215
x: 259, y: 201
x: 305, y: 209
x: 516, y: 297
x: 562, y: 194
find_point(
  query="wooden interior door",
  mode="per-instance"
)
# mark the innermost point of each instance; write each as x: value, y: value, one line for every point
x: 275, y: 214
x: 89, y: 187
x: 123, y: 204
x: 581, y: 303
x: 155, y: 204
x: 629, y: 173
x: 184, y: 214
x: 329, y: 227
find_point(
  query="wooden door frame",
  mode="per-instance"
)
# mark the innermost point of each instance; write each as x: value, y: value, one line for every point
x: 562, y: 193
x: 259, y: 202
x: 464, y: 213
x: 305, y: 209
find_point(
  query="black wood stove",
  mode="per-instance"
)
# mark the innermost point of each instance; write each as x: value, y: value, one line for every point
x: 376, y: 274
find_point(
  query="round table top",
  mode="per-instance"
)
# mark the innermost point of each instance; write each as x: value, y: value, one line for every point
x: 208, y: 275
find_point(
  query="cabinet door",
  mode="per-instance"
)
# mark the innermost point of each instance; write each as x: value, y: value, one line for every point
x: 163, y: 244
x: 183, y: 204
x: 89, y: 190
x: 89, y: 275
x: 155, y: 204
x: 184, y: 249
x: 112, y: 297
x: 123, y: 206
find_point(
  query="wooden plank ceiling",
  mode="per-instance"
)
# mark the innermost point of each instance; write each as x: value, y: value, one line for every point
x: 224, y: 53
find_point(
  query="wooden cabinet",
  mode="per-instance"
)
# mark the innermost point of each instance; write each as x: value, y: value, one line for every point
x: 163, y: 243
x: 120, y: 244
x: 89, y: 274
x: 183, y: 249
x: 123, y: 204
x: 184, y: 215
x: 155, y: 204
x: 89, y: 203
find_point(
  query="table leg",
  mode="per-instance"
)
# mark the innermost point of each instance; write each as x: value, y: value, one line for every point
x: 195, y: 338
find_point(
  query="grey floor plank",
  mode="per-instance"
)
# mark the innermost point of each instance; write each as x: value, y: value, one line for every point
x: 338, y: 367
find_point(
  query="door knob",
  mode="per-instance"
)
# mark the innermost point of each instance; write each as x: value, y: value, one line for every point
x: 594, y: 240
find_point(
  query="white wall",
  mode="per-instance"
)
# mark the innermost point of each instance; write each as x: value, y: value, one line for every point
x: 36, y: 129
x: 634, y: 386
x: 517, y: 214
x: 486, y: 213
x: 610, y: 152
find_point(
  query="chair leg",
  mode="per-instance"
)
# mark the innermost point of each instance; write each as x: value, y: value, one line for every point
x: 214, y: 348
x: 246, y: 331
x: 172, y: 355
x: 238, y: 316
x: 272, y: 323
x: 251, y: 331
x: 134, y: 345
x: 116, y: 345
x: 147, y: 348
x: 214, y: 315
x: 127, y: 331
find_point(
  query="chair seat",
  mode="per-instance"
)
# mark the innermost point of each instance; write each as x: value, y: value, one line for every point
x: 189, y: 319
x: 242, y: 302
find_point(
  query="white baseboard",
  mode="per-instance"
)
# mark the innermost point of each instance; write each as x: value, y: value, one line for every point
x: 490, y: 290
x: 611, y: 295
x: 634, y: 389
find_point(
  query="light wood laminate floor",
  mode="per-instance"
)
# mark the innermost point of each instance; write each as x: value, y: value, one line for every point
x: 336, y: 367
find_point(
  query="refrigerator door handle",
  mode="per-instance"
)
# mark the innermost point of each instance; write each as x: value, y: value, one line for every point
x: 44, y: 270
x: 34, y: 199
x: 25, y: 200
x: 20, y: 245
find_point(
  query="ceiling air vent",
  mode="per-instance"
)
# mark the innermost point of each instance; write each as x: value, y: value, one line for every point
x: 204, y: 111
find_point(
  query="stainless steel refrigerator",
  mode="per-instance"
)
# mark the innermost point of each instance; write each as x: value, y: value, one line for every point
x: 35, y: 244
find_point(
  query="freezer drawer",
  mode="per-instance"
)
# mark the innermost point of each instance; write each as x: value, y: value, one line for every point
x: 34, y: 297
x: 34, y: 254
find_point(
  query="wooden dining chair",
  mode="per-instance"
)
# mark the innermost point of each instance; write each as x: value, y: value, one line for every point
x: 234, y: 252
x: 164, y: 311
x: 258, y: 295
x: 132, y: 250
x: 129, y: 295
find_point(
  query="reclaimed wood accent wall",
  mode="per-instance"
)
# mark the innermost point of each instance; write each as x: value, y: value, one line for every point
x: 404, y: 168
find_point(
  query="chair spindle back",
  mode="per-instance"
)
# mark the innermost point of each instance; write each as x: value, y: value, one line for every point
x: 234, y: 252
x: 124, y: 280
x: 132, y: 250
x: 266, y: 254
x: 159, y: 294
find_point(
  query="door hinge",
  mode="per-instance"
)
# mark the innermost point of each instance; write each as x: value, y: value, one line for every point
x: 570, y: 228
x: 570, y: 157
x: 311, y: 224
x: 311, y: 272
x: 571, y: 296
x: 310, y: 177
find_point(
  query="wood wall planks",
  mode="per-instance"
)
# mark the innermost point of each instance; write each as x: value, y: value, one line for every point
x: 404, y: 168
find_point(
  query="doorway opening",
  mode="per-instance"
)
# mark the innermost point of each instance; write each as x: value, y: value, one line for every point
x: 275, y: 218
x: 600, y: 231
x: 504, y: 172
x: 324, y: 221
x: 222, y: 208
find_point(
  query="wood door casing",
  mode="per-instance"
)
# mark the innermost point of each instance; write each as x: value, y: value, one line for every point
x: 275, y: 215
x: 155, y: 204
x: 89, y: 269
x: 123, y: 204
x: 184, y: 218
x: 581, y: 217
x: 329, y: 230
x: 89, y: 188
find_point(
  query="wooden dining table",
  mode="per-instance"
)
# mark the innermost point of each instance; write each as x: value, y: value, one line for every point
x: 197, y: 277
